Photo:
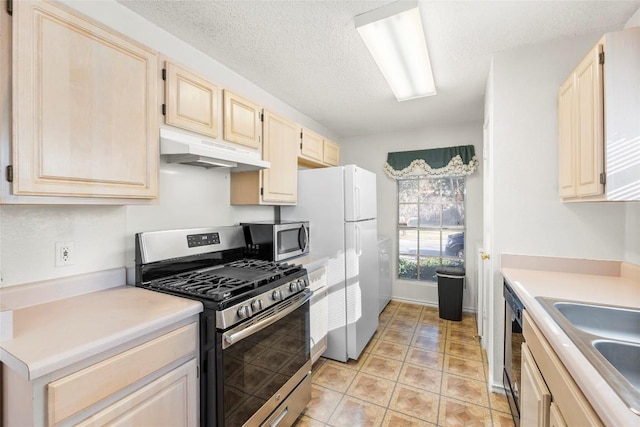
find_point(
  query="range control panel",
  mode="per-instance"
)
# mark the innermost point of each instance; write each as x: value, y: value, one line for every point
x: 205, y: 239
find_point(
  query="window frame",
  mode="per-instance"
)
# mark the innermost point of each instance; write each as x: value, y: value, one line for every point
x: 454, y: 260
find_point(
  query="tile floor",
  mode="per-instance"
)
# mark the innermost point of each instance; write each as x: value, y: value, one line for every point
x: 418, y: 370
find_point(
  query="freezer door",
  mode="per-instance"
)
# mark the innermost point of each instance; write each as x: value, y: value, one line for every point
x: 362, y: 299
x: 359, y: 194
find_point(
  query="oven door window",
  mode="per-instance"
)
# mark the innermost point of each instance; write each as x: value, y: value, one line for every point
x: 256, y: 367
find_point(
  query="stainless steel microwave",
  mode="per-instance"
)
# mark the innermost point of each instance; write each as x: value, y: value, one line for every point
x: 277, y: 240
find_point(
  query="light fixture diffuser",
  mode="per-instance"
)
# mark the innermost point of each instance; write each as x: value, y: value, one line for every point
x: 395, y: 37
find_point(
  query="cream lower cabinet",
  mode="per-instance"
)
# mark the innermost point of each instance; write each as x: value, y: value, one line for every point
x: 535, y: 399
x: 85, y: 112
x: 163, y: 402
x: 153, y: 382
x: 277, y: 185
x: 549, y: 395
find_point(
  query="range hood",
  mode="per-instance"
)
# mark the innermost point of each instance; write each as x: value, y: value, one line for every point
x: 179, y: 147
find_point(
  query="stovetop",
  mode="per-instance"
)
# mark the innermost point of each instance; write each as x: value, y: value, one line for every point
x: 223, y: 282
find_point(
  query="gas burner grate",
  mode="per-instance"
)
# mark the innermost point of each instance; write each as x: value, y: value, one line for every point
x: 225, y: 281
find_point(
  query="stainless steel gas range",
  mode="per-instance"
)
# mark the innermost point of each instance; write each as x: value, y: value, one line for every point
x: 254, y: 331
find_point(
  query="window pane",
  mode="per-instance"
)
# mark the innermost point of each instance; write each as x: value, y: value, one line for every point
x: 408, y: 190
x: 407, y: 242
x: 453, y: 243
x: 453, y: 214
x: 407, y: 212
x: 431, y: 220
x: 428, y: 266
x: 430, y: 242
x: 430, y: 215
x: 407, y: 268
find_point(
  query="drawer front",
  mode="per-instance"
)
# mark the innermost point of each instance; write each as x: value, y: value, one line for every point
x: 78, y: 391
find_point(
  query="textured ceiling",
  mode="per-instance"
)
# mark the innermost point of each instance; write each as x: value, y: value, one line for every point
x: 309, y: 55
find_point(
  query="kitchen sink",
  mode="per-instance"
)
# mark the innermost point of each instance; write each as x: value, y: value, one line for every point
x: 616, y: 323
x: 609, y: 337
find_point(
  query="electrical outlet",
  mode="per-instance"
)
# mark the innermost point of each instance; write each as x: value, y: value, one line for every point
x: 64, y: 253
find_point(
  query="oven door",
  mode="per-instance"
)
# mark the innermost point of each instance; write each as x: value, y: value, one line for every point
x: 264, y: 363
x: 291, y: 240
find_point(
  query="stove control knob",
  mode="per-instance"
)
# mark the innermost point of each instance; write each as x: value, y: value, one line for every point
x: 256, y: 305
x: 244, y: 311
x: 303, y: 283
x: 293, y: 287
x: 276, y: 295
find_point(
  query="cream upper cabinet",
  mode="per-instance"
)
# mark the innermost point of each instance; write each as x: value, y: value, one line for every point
x: 317, y: 151
x: 331, y: 153
x: 85, y: 115
x: 566, y: 130
x: 580, y: 136
x: 535, y: 399
x: 598, y: 110
x: 191, y: 102
x: 241, y: 120
x: 277, y: 185
x: 311, y: 146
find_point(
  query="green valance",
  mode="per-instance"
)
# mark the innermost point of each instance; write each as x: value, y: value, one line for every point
x: 436, y: 162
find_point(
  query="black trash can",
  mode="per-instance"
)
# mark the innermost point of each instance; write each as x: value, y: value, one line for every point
x: 450, y: 284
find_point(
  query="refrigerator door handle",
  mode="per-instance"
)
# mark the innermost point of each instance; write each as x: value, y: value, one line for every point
x: 358, y: 241
x: 357, y: 202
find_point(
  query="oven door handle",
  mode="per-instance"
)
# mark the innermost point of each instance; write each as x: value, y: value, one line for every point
x: 229, y: 338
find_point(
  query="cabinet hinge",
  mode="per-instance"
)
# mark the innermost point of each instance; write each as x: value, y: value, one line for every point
x: 262, y: 191
x: 300, y: 134
x: 601, y: 58
x: 164, y: 74
x: 10, y: 7
x: 262, y: 117
x: 301, y: 145
x: 164, y: 109
x: 197, y: 371
x: 603, y: 178
x: 9, y: 175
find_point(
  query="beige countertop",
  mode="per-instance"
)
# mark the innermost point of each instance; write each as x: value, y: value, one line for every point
x: 595, y: 288
x: 58, y: 333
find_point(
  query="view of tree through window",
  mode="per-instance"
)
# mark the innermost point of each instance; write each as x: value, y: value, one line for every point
x: 430, y: 226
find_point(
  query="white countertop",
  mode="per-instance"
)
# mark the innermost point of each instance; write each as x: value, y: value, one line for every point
x: 601, y: 289
x: 310, y: 262
x: 59, y: 333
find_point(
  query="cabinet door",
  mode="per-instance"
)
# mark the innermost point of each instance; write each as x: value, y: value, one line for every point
x: 84, y: 107
x: 171, y: 400
x: 279, y: 147
x: 191, y: 101
x: 566, y: 152
x: 535, y: 398
x: 241, y: 120
x: 311, y: 145
x: 331, y: 153
x: 589, y: 122
x: 555, y: 417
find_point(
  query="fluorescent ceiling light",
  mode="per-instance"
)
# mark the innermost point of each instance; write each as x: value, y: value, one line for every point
x: 395, y: 38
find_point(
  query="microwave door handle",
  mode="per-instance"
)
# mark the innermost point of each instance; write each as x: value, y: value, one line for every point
x: 303, y: 238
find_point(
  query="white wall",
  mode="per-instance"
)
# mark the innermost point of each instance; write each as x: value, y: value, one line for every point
x: 632, y: 232
x: 634, y: 21
x: 528, y: 215
x: 370, y: 152
x: 103, y: 235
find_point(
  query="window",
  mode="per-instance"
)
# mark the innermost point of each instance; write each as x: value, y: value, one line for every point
x: 430, y: 226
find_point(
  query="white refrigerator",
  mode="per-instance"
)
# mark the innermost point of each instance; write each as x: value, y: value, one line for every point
x: 340, y: 205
